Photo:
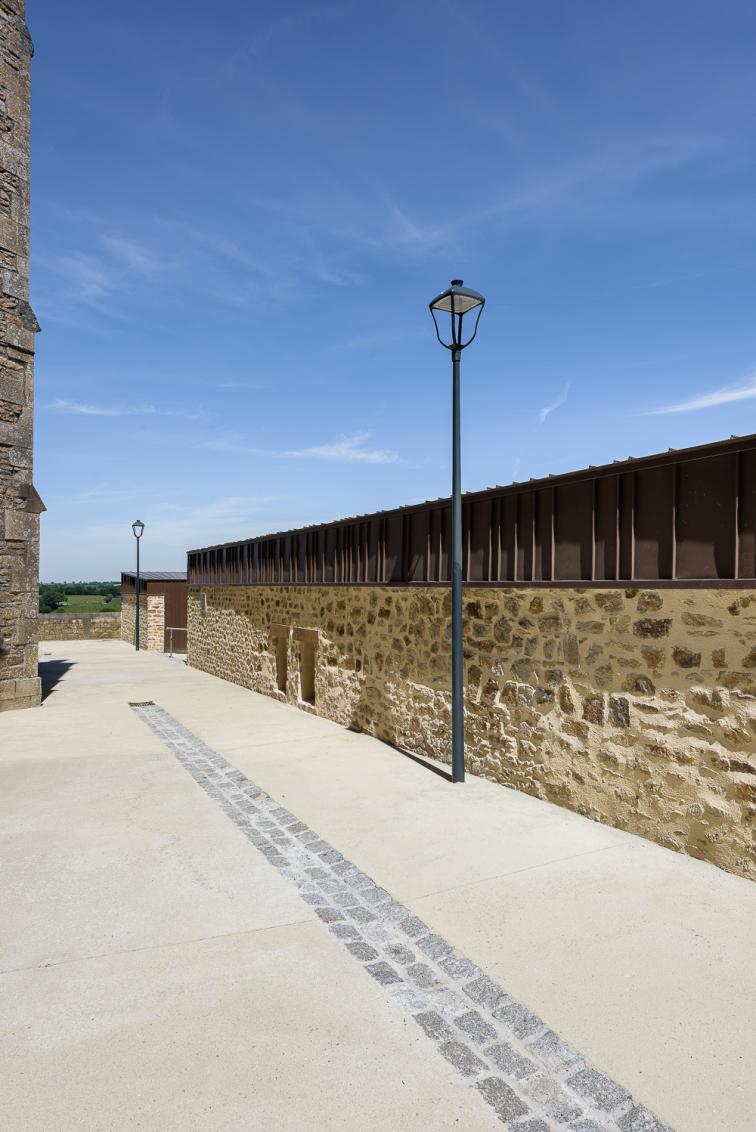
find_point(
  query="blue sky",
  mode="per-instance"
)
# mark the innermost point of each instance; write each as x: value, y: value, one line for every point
x: 241, y: 211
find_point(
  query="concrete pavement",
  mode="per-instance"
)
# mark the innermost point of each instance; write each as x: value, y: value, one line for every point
x: 159, y: 973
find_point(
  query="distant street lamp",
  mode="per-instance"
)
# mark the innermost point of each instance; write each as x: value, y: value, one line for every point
x: 138, y: 529
x: 456, y: 301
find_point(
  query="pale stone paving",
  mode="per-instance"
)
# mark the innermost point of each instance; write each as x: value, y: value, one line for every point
x: 533, y: 1080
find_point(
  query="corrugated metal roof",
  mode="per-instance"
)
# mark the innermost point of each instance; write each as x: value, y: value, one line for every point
x: 156, y: 575
x: 672, y: 455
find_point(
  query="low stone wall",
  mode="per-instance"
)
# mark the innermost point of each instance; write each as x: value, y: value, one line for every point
x: 634, y: 707
x: 151, y: 621
x: 79, y: 626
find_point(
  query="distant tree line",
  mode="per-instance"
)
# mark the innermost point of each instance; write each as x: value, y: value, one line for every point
x: 52, y: 595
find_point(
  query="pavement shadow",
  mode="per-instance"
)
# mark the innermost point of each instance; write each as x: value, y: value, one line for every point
x: 439, y: 770
x: 367, y: 711
x: 51, y: 672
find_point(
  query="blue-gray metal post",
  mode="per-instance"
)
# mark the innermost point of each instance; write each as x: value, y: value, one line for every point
x: 457, y: 301
x: 138, y: 529
x: 137, y: 597
x: 458, y: 704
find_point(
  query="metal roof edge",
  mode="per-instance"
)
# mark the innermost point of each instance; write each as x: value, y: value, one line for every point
x: 616, y: 467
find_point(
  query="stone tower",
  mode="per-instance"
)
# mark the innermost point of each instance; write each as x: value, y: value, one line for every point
x: 20, y: 506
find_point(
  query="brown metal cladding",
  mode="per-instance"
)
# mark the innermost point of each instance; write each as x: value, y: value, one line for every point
x: 686, y: 515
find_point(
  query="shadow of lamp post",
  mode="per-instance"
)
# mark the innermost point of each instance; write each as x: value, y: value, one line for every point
x: 138, y: 529
x: 457, y: 301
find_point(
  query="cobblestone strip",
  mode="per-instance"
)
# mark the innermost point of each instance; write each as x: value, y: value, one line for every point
x: 534, y: 1081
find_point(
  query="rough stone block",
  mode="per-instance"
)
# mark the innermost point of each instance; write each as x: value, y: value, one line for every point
x: 619, y: 711
x: 652, y: 627
x: 329, y: 915
x: 383, y: 973
x: 362, y: 951
x: 521, y: 1022
x: 400, y: 953
x: 434, y: 1026
x: 639, y: 1119
x: 20, y: 526
x: 604, y: 1092
x: 485, y: 992
x: 504, y: 1101
x: 433, y: 946
x: 20, y: 456
x: 593, y: 709
x: 30, y: 686
x: 462, y: 1058
x: 550, y: 1096
x: 422, y: 975
x: 413, y: 926
x: 476, y: 1027
x: 460, y: 968
x: 510, y: 1061
x: 11, y: 390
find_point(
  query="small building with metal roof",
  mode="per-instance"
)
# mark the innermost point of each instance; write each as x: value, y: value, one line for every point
x: 162, y: 609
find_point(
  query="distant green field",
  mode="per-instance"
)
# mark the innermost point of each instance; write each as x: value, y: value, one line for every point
x: 89, y: 603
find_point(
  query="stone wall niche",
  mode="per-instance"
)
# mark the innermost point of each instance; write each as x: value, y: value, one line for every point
x: 307, y: 640
x: 280, y: 636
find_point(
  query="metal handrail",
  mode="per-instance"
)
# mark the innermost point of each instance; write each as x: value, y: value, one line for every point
x: 174, y: 629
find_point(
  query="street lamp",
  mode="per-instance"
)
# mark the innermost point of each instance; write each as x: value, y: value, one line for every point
x: 138, y: 529
x: 457, y: 301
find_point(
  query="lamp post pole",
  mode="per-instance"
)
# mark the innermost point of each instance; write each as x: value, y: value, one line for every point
x: 457, y: 689
x: 138, y: 529
x: 457, y: 300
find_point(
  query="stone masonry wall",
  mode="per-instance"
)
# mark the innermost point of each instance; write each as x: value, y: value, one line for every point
x: 19, y: 503
x: 79, y: 626
x: 636, y: 708
x: 151, y: 621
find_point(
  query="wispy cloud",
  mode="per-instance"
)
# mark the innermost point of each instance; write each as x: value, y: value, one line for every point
x: 79, y: 408
x: 547, y: 410
x: 131, y: 252
x: 106, y: 495
x: 403, y: 232
x: 743, y: 392
x: 347, y: 450
x: 88, y: 277
x: 229, y: 517
x: 93, y: 275
x: 172, y: 526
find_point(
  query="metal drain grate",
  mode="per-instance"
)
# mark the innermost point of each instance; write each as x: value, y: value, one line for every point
x: 144, y: 703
